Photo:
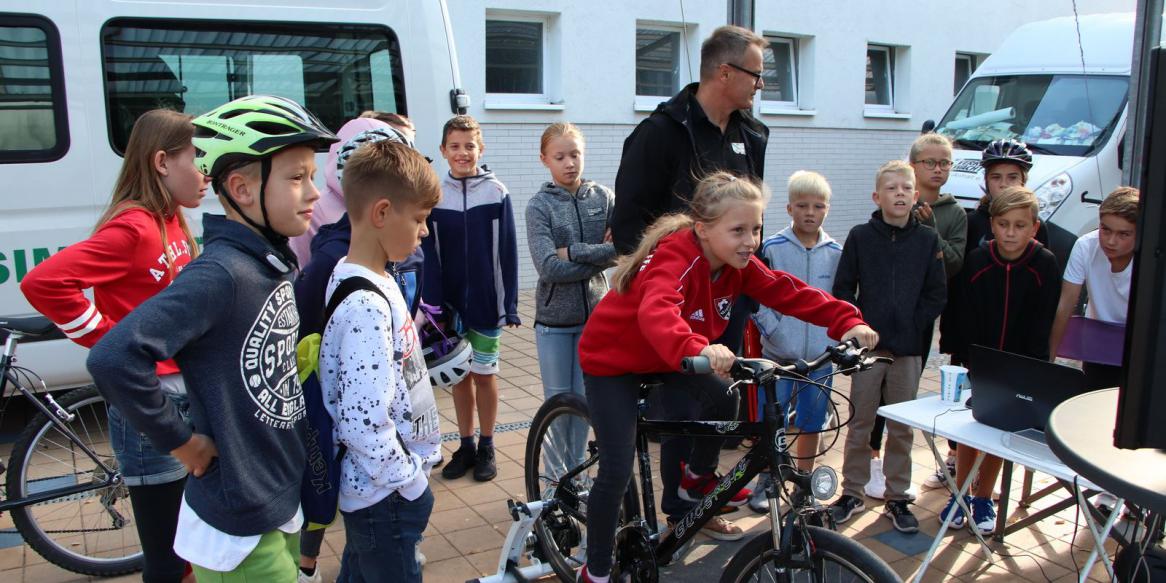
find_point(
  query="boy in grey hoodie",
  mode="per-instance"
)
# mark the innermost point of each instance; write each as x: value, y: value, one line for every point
x: 803, y: 250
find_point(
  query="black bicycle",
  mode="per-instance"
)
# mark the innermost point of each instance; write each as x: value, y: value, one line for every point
x: 63, y: 488
x: 561, y: 459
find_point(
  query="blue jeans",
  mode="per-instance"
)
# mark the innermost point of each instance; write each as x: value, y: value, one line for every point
x: 809, y: 401
x: 383, y: 538
x: 139, y: 462
x: 558, y: 361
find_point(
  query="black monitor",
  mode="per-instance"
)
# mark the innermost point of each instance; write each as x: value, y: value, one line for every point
x: 1141, y: 408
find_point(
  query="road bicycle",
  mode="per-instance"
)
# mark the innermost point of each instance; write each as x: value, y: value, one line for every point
x: 801, y: 545
x: 63, y: 488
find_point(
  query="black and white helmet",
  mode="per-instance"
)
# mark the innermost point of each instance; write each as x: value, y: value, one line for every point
x: 367, y: 137
x: 1009, y: 151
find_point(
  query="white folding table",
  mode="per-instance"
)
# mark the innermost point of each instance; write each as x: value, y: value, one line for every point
x: 953, y: 421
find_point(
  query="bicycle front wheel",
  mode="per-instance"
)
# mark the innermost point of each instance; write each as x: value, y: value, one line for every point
x: 833, y: 559
x: 556, y: 445
x: 93, y: 532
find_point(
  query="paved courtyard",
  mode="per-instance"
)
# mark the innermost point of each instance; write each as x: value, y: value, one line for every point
x: 470, y: 519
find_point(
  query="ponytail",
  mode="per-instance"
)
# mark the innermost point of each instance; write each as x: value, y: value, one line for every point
x: 628, y: 265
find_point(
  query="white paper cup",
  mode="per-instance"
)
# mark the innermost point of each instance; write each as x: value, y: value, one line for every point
x: 953, y: 380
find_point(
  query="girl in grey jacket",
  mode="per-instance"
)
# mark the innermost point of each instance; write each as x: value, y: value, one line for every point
x: 570, y: 244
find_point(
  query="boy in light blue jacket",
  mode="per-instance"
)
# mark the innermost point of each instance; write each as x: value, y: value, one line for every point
x: 805, y: 251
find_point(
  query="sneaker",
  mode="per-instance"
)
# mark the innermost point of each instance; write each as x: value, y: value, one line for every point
x: 758, y: 502
x: 901, y: 517
x: 845, y: 507
x: 461, y: 462
x: 484, y: 467
x: 695, y: 488
x: 1105, y: 502
x: 960, y: 519
x: 939, y: 478
x: 722, y: 529
x: 876, y: 487
x: 984, y: 515
x: 315, y: 577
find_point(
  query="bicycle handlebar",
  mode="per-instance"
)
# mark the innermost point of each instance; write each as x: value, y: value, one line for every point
x: 846, y: 355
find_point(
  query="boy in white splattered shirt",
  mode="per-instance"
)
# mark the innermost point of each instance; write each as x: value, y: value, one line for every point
x: 370, y: 361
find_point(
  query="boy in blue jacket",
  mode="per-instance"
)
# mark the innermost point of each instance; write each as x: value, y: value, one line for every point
x: 805, y: 251
x: 471, y: 265
x: 230, y: 323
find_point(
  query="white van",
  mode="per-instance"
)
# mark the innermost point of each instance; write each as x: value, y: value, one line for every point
x: 1066, y: 101
x: 75, y: 75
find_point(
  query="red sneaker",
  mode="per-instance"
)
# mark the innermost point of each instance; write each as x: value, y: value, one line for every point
x: 694, y: 489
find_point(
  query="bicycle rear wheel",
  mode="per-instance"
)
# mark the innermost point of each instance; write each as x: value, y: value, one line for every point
x: 833, y: 559
x: 93, y: 532
x: 556, y: 444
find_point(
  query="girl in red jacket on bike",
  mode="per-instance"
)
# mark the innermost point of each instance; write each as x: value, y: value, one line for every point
x: 670, y: 297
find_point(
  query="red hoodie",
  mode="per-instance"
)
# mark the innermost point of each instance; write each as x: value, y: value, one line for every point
x: 123, y: 262
x: 673, y: 307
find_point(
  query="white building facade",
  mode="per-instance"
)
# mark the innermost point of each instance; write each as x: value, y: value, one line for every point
x: 848, y: 84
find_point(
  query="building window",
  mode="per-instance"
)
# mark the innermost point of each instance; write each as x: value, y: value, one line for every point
x: 781, y: 72
x: 194, y: 66
x: 514, y: 57
x: 965, y: 65
x: 33, y: 124
x: 657, y: 62
x: 880, y: 67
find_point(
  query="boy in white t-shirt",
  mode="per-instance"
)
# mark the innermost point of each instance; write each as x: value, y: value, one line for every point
x: 1102, y: 261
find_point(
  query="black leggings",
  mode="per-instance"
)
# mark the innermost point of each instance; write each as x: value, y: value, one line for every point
x: 612, y: 404
x: 156, y: 516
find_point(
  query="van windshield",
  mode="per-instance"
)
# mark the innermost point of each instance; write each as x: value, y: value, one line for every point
x: 1066, y: 115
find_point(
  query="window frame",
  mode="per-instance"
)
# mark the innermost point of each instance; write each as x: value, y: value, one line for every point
x: 289, y: 28
x: 510, y: 100
x: 973, y: 62
x: 684, y: 67
x: 882, y: 108
x: 794, y: 44
x: 56, y: 88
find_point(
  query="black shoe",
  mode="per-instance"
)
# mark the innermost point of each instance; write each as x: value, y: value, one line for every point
x: 845, y: 507
x: 901, y: 517
x: 484, y: 467
x: 462, y: 461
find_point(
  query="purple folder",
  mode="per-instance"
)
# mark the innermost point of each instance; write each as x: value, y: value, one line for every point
x: 1093, y: 341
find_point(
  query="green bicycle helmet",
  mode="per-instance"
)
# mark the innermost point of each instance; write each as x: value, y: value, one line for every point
x: 252, y: 128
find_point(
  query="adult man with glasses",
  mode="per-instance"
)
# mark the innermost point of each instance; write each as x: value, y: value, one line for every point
x: 706, y: 127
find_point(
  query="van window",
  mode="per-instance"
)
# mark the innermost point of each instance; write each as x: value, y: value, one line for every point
x: 1069, y: 115
x: 337, y: 71
x: 33, y: 124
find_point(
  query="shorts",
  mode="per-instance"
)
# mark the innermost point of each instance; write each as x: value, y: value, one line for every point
x: 487, y: 345
x: 810, y: 401
x: 140, y: 464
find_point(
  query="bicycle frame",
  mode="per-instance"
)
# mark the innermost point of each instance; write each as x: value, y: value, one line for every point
x: 112, y: 477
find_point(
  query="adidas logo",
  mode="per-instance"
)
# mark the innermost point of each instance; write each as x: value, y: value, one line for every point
x: 697, y: 315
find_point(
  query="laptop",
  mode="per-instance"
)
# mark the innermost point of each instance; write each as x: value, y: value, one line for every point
x: 1013, y: 393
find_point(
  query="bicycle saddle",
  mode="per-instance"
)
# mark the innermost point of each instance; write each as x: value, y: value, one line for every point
x: 34, y: 325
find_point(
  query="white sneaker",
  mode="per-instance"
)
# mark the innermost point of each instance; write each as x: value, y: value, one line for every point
x: 877, y: 486
x: 939, y: 478
x: 315, y: 577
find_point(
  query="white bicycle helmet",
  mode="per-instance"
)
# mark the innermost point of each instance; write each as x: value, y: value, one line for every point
x: 367, y: 137
x: 447, y: 354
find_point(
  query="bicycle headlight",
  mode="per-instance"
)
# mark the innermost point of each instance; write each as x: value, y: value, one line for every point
x: 823, y: 482
x: 1052, y: 193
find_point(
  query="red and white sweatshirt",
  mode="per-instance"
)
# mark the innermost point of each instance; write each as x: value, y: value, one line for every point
x: 123, y: 262
x: 674, y: 307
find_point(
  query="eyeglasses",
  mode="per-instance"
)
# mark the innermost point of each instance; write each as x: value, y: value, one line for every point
x: 931, y: 163
x: 756, y: 76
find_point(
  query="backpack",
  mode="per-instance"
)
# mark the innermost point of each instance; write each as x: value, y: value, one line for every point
x: 320, y: 487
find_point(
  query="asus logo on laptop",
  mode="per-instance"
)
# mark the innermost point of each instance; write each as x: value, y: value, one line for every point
x: 1025, y: 397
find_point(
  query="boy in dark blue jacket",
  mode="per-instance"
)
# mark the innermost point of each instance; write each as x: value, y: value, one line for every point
x: 892, y: 269
x: 471, y: 265
x: 230, y: 322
